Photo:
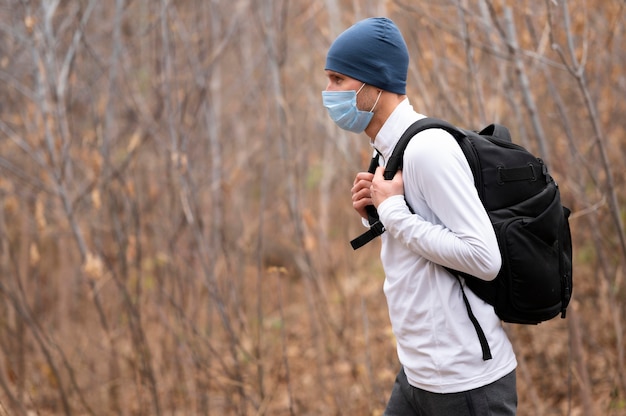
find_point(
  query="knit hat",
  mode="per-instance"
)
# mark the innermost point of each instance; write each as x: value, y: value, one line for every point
x: 372, y: 51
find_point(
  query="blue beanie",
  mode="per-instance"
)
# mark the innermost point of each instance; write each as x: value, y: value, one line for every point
x: 372, y: 51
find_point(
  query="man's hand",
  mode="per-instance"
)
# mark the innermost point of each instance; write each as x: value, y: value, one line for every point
x: 361, y: 195
x: 382, y: 189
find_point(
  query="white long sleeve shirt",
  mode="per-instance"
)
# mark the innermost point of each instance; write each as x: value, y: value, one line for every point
x: 436, y: 342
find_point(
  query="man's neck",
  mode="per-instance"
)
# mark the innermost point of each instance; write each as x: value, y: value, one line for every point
x: 388, y: 102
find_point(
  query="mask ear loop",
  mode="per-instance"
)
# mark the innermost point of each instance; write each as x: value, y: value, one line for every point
x: 377, y: 98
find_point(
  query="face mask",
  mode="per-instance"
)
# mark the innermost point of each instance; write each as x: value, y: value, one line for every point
x: 341, y: 106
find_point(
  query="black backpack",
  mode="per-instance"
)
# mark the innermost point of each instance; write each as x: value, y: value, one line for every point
x: 532, y: 227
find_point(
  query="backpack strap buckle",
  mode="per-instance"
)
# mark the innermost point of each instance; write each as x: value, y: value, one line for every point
x: 376, y: 229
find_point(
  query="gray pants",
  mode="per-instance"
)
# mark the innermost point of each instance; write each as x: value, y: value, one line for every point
x: 495, y: 399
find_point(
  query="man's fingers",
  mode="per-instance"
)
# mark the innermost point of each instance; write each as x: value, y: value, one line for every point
x: 380, y: 175
x: 363, y: 176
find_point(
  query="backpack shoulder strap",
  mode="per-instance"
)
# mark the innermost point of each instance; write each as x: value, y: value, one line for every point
x: 395, y: 161
x: 376, y: 227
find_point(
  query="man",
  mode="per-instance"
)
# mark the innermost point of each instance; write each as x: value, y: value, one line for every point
x: 443, y: 371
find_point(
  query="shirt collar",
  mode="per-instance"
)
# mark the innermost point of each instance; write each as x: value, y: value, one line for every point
x: 399, y: 120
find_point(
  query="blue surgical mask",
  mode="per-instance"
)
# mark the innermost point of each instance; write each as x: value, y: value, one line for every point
x: 341, y: 106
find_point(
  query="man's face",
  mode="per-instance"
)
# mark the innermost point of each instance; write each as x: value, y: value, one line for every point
x: 366, y: 95
x: 340, y: 82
